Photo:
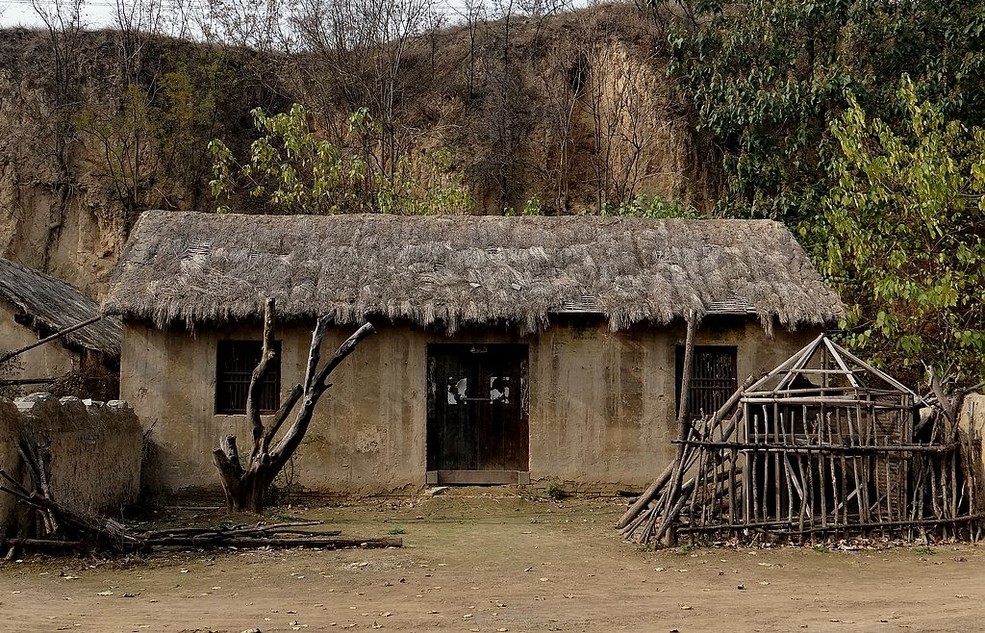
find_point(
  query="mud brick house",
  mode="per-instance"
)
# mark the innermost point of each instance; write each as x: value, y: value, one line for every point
x: 510, y: 349
x: 34, y: 306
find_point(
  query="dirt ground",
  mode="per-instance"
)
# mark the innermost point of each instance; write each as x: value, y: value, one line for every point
x: 494, y: 560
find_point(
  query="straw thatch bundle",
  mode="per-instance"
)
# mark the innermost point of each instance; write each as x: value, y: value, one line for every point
x: 464, y: 270
x: 48, y: 305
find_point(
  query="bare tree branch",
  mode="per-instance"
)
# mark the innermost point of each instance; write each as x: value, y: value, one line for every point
x: 292, y: 439
x: 267, y: 357
x: 245, y: 487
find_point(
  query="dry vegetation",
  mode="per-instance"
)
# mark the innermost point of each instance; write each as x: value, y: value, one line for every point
x: 565, y: 112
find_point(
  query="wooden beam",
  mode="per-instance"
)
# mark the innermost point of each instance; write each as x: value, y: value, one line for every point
x: 683, y: 432
x: 785, y: 365
x: 48, y: 339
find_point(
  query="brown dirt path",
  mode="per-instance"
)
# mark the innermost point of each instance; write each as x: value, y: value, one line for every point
x: 489, y: 560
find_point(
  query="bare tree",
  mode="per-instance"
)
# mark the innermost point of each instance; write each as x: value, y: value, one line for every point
x: 503, y: 124
x: 123, y: 129
x: 475, y: 15
x: 140, y: 119
x: 563, y: 81
x: 261, y: 26
x: 358, y: 49
x: 61, y: 96
x: 245, y: 485
x: 628, y: 116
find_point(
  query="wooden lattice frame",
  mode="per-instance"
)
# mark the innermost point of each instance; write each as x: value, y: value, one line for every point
x: 849, y: 453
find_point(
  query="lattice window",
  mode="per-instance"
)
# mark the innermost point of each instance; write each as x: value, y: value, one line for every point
x: 713, y: 378
x: 235, y: 362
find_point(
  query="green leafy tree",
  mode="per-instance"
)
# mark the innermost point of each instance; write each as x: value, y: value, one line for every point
x: 296, y: 170
x: 905, y: 223
x: 766, y: 78
x: 652, y: 207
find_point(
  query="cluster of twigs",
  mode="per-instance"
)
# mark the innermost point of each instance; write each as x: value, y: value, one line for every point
x: 60, y: 530
x: 655, y: 515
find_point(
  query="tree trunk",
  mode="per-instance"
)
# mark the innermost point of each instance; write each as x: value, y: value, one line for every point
x: 246, y: 487
x: 249, y: 492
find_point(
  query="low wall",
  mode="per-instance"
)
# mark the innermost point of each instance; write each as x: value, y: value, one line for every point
x: 96, y: 451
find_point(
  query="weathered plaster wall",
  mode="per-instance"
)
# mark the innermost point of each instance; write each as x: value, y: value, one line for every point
x: 48, y: 361
x: 601, y: 403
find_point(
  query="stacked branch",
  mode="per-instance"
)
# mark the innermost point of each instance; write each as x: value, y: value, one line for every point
x: 846, y: 456
x: 656, y: 515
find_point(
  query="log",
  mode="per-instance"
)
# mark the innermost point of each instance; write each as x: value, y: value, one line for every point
x: 241, y: 529
x: 327, y: 542
x: 45, y: 543
x: 648, y: 495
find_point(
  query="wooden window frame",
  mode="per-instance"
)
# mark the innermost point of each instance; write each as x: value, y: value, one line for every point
x: 725, y: 388
x: 235, y: 362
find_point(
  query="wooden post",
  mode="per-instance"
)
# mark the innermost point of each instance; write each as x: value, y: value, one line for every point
x: 715, y: 424
x: 48, y: 339
x: 683, y: 431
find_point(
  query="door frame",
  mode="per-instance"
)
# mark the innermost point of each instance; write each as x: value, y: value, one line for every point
x: 520, y: 352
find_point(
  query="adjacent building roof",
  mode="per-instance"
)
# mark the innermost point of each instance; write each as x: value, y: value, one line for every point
x: 48, y: 305
x: 452, y: 271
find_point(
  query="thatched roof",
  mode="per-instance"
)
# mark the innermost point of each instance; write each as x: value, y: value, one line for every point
x: 48, y: 305
x: 452, y: 271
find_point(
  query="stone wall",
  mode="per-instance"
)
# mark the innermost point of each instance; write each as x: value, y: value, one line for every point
x: 96, y: 451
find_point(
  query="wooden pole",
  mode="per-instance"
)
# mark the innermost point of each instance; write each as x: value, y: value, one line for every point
x: 648, y: 495
x: 651, y: 493
x: 48, y: 339
x: 683, y: 429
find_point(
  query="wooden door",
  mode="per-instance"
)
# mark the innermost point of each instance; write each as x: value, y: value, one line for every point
x: 477, y: 429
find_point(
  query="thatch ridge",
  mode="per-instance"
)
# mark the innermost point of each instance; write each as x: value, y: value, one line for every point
x: 453, y: 271
x: 48, y: 305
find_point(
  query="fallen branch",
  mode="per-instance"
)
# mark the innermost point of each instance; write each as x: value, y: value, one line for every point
x: 327, y: 542
x: 67, y: 530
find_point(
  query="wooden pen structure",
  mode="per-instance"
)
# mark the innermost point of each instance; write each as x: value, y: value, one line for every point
x: 825, y: 445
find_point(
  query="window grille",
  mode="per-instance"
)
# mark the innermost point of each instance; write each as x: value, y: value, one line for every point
x: 235, y: 362
x: 713, y: 378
